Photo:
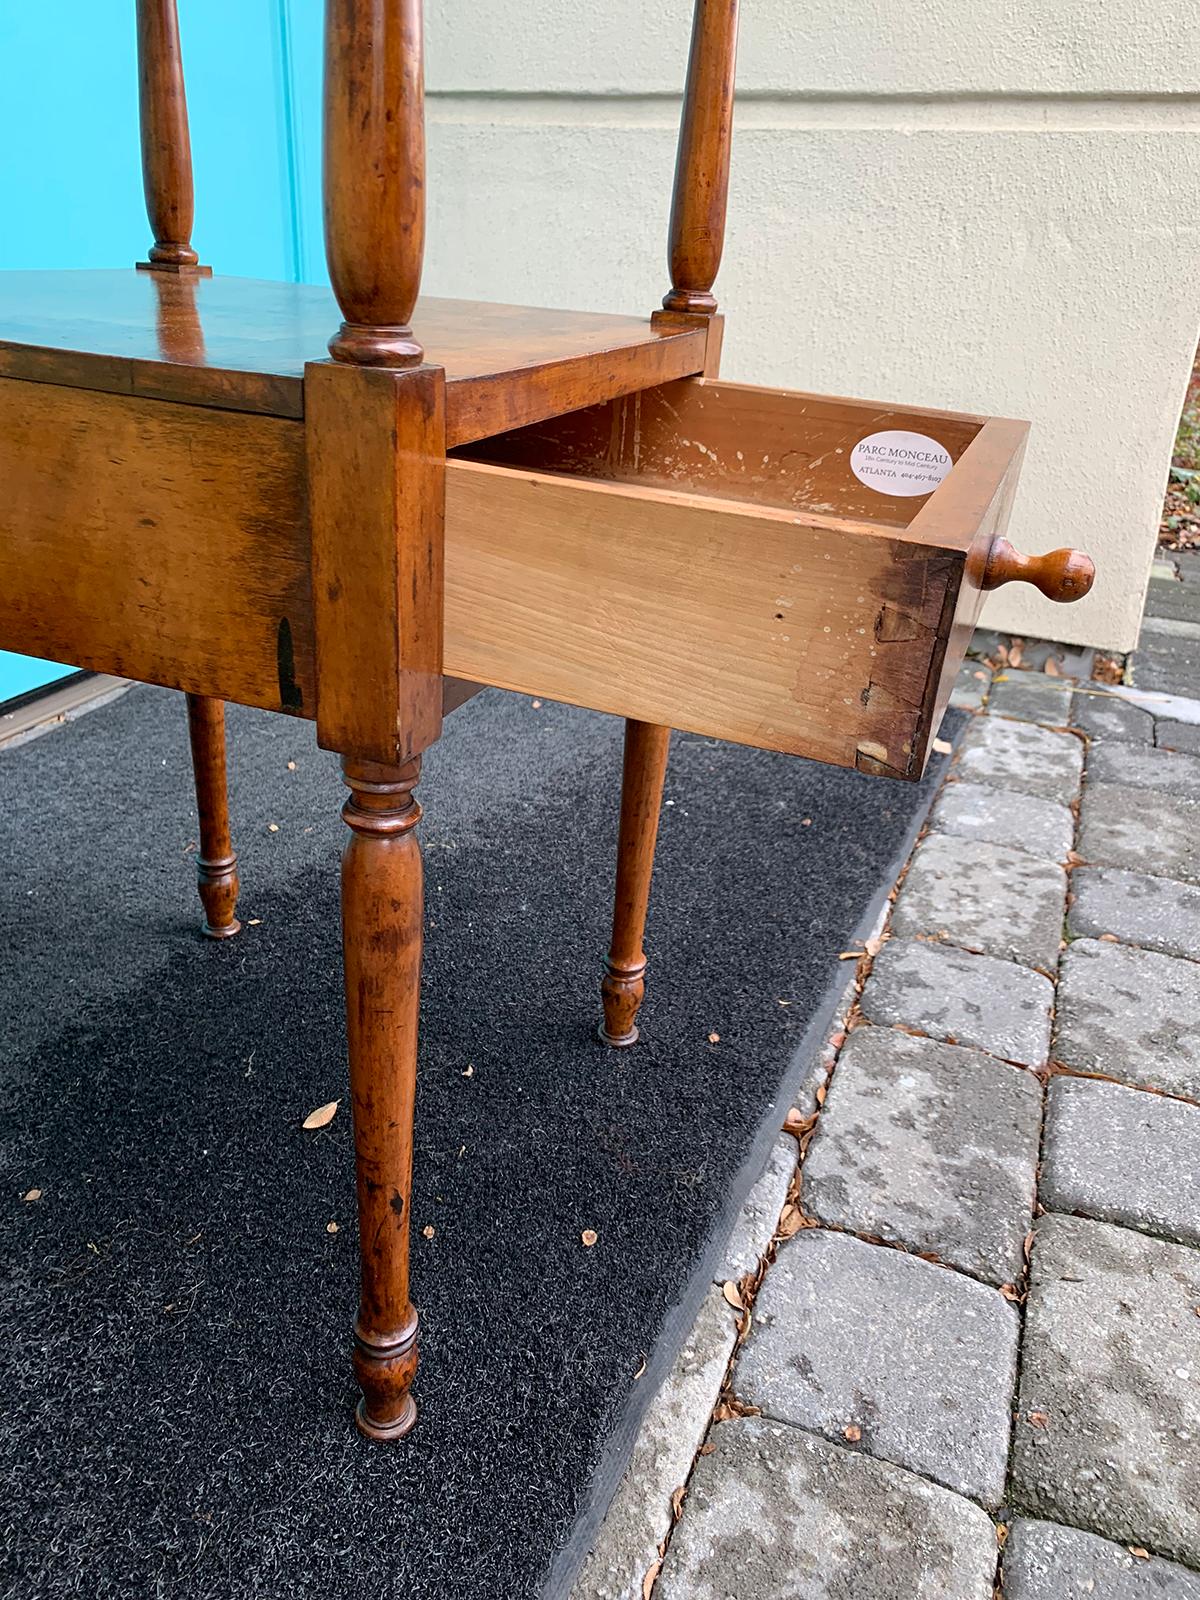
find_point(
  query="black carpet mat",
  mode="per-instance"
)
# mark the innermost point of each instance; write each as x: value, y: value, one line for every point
x: 176, y: 1382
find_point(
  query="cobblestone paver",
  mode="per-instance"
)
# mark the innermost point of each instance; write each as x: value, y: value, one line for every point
x: 1141, y: 829
x: 1031, y: 698
x: 1105, y: 716
x: 1184, y: 736
x: 964, y: 999
x: 931, y: 1147
x: 1043, y: 1561
x: 1016, y: 755
x: 1131, y: 1014
x: 916, y: 1361
x: 776, y: 1514
x: 1026, y: 822
x: 1155, y: 913
x: 984, y: 897
x: 1109, y: 1414
x: 1139, y: 768
x: 870, y: 1422
x: 1123, y: 1155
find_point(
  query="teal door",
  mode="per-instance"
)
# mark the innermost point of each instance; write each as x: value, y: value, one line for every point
x: 70, y: 182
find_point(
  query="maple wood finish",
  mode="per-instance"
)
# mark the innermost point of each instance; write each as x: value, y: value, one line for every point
x: 374, y: 176
x: 702, y: 164
x: 166, y: 142
x: 216, y: 864
x: 376, y: 443
x: 566, y: 504
x: 376, y: 451
x: 170, y: 207
x: 1061, y: 575
x: 243, y: 345
x: 624, y: 982
x: 697, y: 238
x: 382, y: 915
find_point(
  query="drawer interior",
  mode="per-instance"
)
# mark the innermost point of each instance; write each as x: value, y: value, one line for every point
x: 764, y: 447
x: 703, y: 556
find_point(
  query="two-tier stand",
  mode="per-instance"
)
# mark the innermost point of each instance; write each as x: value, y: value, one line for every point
x: 561, y: 503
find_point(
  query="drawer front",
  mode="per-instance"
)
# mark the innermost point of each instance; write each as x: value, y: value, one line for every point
x: 604, y: 581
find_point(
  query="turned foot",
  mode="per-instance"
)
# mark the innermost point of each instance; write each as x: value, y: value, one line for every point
x: 621, y: 991
x: 385, y: 1373
x: 624, y: 984
x: 216, y: 865
x: 382, y: 913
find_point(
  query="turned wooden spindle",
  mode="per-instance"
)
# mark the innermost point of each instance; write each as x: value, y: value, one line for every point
x: 702, y: 165
x: 166, y: 142
x: 696, y: 240
x: 1061, y: 575
x: 374, y: 176
x: 624, y: 983
x: 216, y: 865
x: 382, y: 909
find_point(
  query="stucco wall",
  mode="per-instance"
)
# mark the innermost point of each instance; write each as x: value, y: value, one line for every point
x: 987, y: 207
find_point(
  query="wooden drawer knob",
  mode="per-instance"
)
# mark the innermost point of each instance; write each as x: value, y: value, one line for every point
x: 1061, y: 575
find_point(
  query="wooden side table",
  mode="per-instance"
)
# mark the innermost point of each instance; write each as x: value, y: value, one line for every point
x: 562, y: 504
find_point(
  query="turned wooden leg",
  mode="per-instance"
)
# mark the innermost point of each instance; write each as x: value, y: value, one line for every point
x: 216, y: 865
x: 624, y: 982
x: 382, y: 912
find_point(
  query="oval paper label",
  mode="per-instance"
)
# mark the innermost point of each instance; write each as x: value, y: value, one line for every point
x: 900, y: 463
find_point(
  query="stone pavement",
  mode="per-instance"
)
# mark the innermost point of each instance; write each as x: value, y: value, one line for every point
x: 956, y: 1352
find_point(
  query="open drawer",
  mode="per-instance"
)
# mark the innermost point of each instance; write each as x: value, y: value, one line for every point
x: 779, y: 569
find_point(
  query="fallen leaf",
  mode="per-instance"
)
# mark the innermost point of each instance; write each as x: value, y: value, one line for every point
x: 33, y: 1194
x: 733, y: 1295
x: 469, y: 1072
x: 849, y: 955
x: 853, y: 1432
x: 322, y: 1116
x: 1038, y: 1419
x: 790, y: 1222
x: 254, y: 922
x: 1052, y: 668
x: 943, y: 746
x: 706, y: 1449
x: 589, y: 1237
x: 1010, y: 1291
x: 1075, y: 858
x: 1016, y: 653
x: 651, y: 1579
x: 291, y: 766
x: 272, y: 827
x: 874, y: 946
x: 677, y: 1499
x: 331, y: 1227
x: 806, y: 822
x: 428, y: 1230
x: 1109, y: 938
x: 1002, y: 1530
x: 1136, y: 1550
x: 714, y: 1038
x: 797, y: 1124
x: 822, y: 1091
x: 640, y: 1370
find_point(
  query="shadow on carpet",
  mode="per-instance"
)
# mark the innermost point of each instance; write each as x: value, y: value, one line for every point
x: 177, y: 1301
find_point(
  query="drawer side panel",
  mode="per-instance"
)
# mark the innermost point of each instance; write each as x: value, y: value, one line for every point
x: 724, y: 620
